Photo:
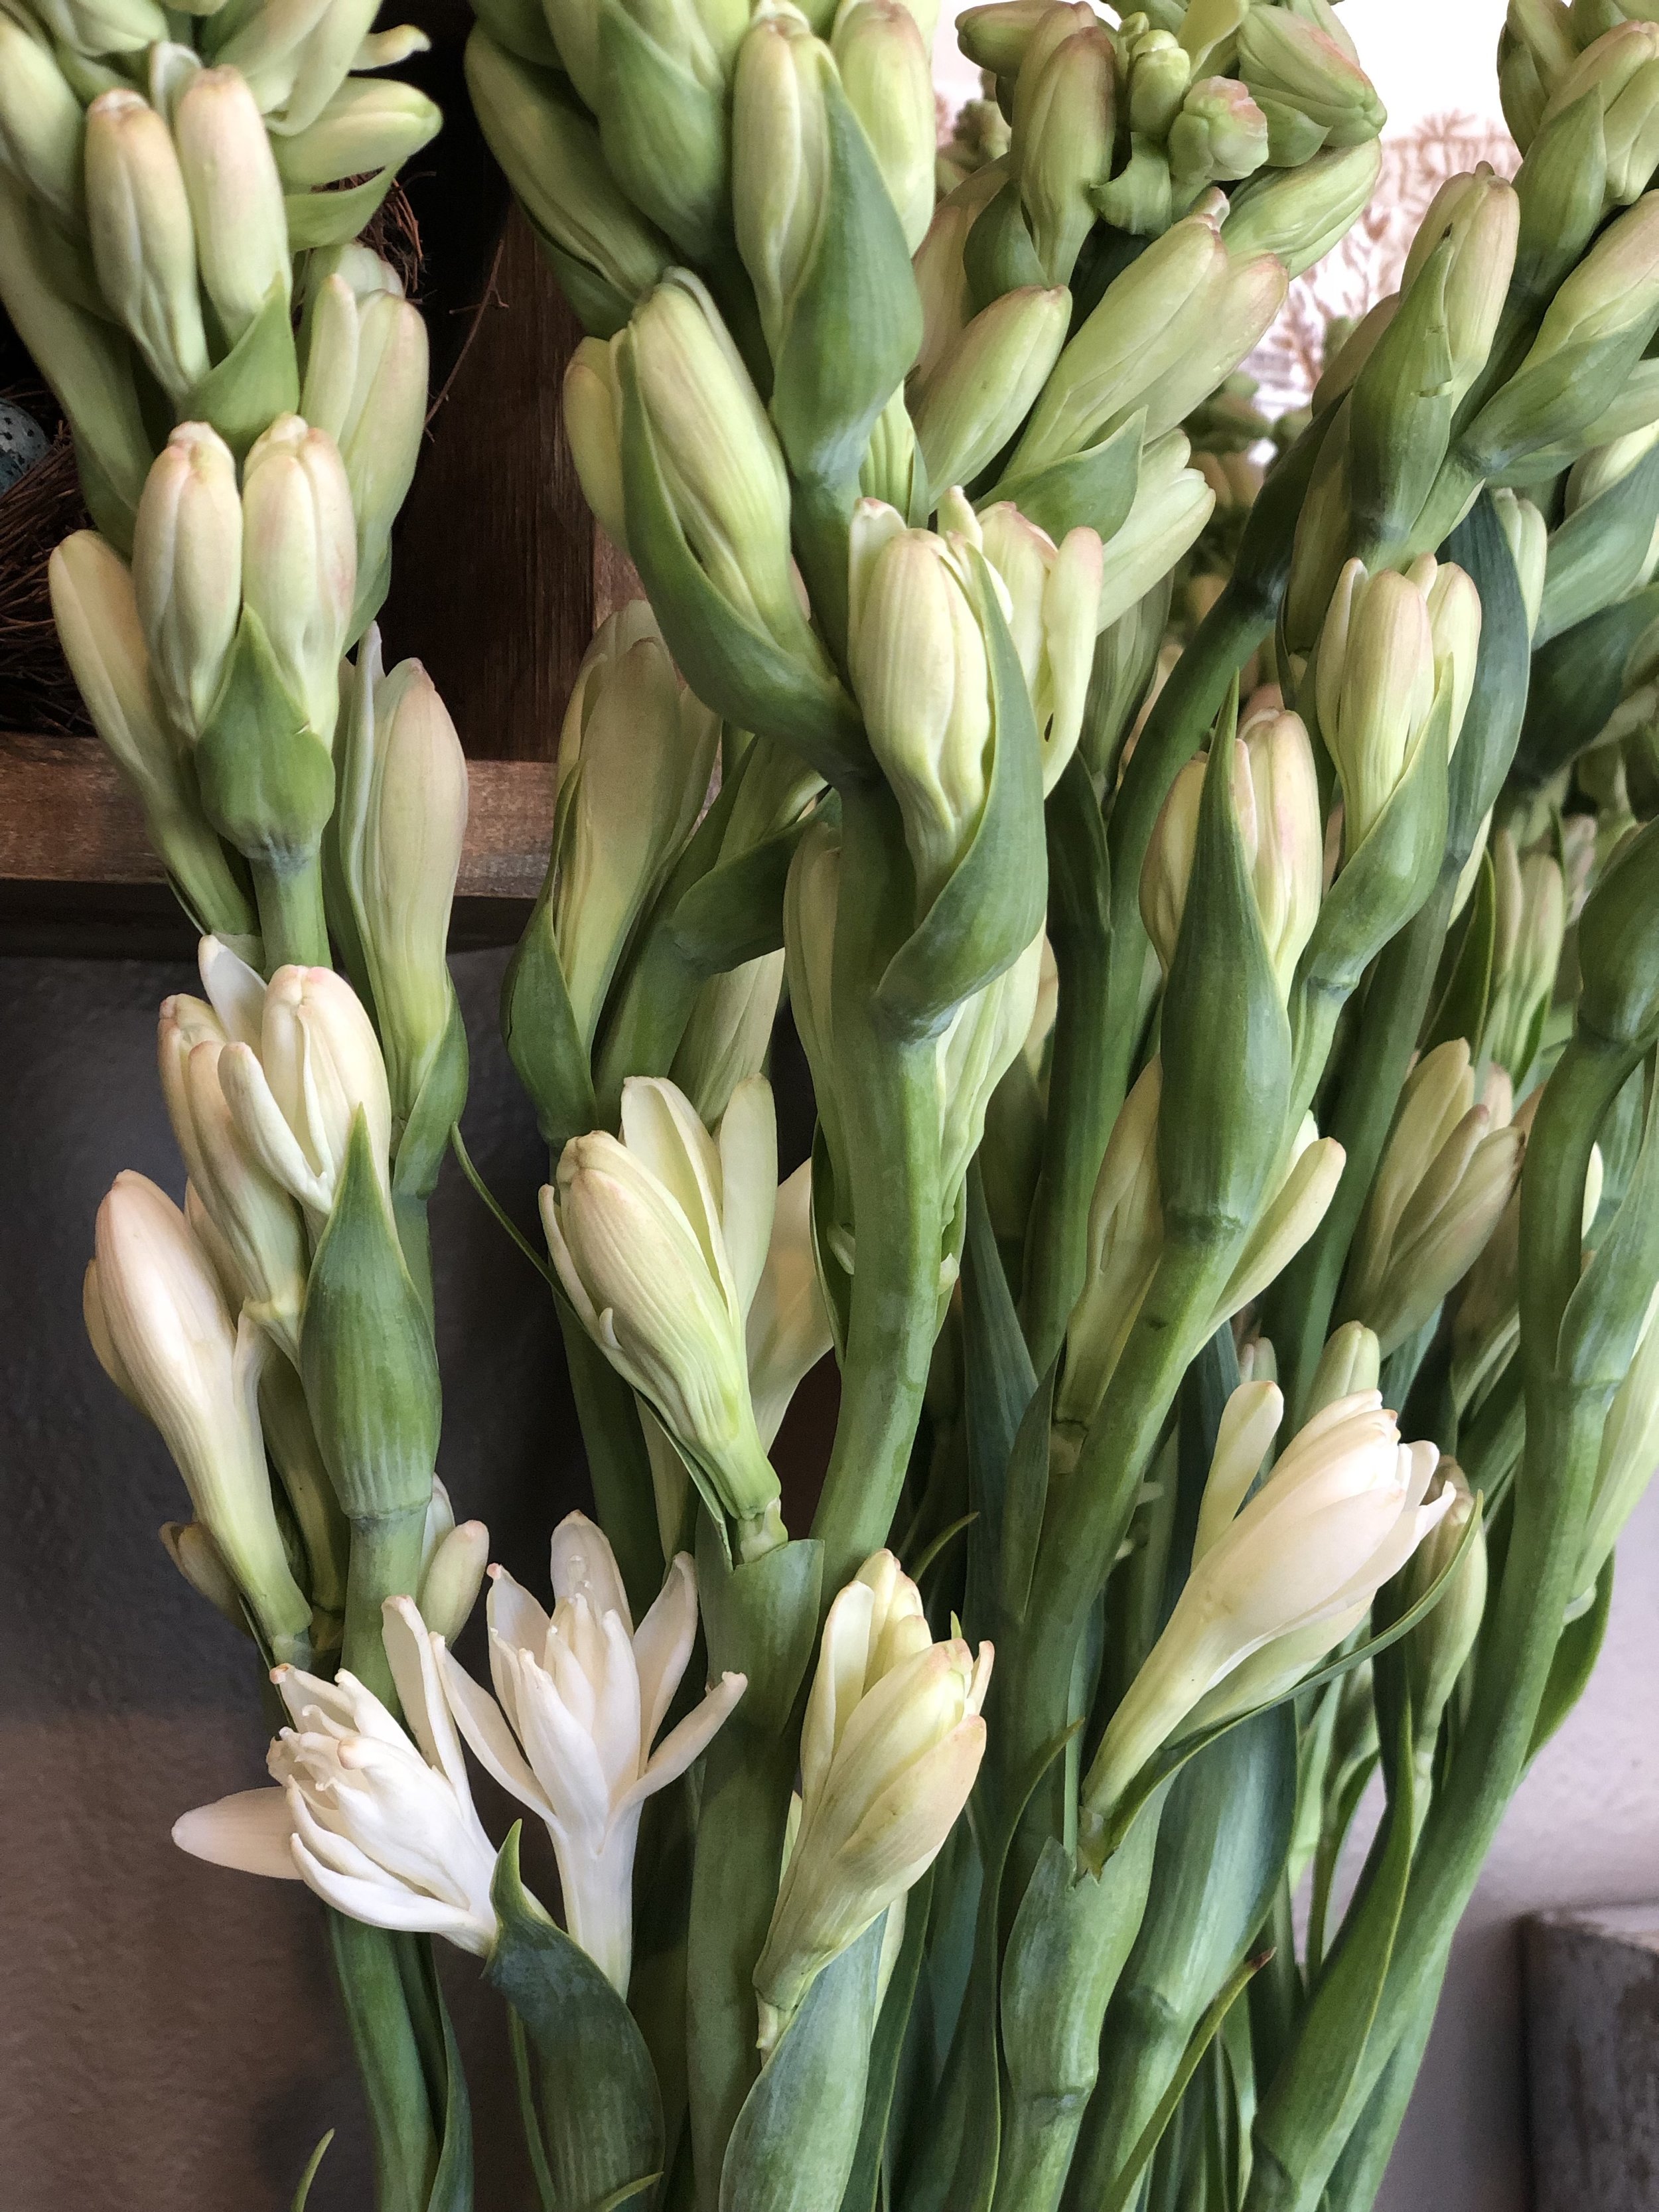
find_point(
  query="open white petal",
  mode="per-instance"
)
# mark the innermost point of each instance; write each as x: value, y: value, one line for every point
x: 250, y: 1831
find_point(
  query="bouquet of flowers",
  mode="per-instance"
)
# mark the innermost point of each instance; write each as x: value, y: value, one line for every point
x: 1220, y: 913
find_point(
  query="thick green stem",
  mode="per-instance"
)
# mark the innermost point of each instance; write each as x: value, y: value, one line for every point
x: 888, y: 1096
x: 1300, y: 1306
x: 369, y: 1971
x: 384, y: 1562
x: 291, y: 920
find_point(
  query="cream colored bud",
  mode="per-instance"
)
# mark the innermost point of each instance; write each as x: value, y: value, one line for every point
x: 41, y: 129
x: 1281, y: 1583
x: 891, y: 1748
x: 1437, y: 1649
x: 984, y: 389
x: 729, y: 1034
x: 1055, y: 600
x: 194, y: 1371
x: 1172, y: 504
x: 659, y: 1239
x: 1351, y: 1361
x: 887, y: 74
x: 1478, y: 218
x: 1125, y: 1242
x: 295, y: 1091
x: 591, y: 413
x: 299, y: 560
x: 635, y: 762
x: 1620, y: 70
x: 979, y: 1045
x: 1527, y: 535
x: 452, y: 1579
x: 921, y: 675
x: 143, y: 244
x: 1445, y: 1178
x: 399, y: 824
x: 187, y: 570
x: 1065, y: 111
x: 779, y: 156
x: 235, y: 196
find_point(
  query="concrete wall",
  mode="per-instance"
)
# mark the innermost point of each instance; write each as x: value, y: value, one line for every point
x: 167, y: 2042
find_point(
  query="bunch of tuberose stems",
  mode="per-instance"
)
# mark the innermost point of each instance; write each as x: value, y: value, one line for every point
x: 1231, y: 1211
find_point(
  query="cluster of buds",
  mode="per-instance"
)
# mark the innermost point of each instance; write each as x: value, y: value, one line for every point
x: 182, y: 182
x: 1133, y: 123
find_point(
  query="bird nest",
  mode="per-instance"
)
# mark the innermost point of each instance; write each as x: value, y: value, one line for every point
x: 37, y: 692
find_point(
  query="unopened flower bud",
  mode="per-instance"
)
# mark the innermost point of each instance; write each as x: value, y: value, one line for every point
x: 159, y: 1321
x: 659, y: 1239
x: 1479, y: 216
x: 1054, y: 604
x: 41, y: 129
x: 1630, y: 1449
x: 94, y: 27
x: 995, y: 36
x: 1535, y: 49
x: 891, y: 1748
x: 1377, y: 683
x: 1298, y: 74
x: 1439, y: 1646
x: 451, y: 1577
x: 1179, y: 319
x: 235, y: 196
x: 1298, y: 214
x: 1063, y: 144
x: 1351, y: 1360
x: 634, y: 760
x: 295, y: 59
x: 779, y: 156
x: 1219, y: 134
x: 143, y: 244
x: 196, y: 1555
x: 974, y: 1051
x: 368, y: 126
x: 295, y: 1090
x: 186, y: 569
x: 591, y: 410
x: 887, y: 74
x: 984, y: 386
x: 719, y: 455
x: 608, y: 256
x: 920, y: 668
x: 299, y: 560
x: 1530, y: 925
x: 1527, y: 535
x: 400, y: 819
x: 1269, y: 1597
x: 1445, y: 1179
x: 1125, y: 1239
x: 1172, y: 504
x: 1620, y: 73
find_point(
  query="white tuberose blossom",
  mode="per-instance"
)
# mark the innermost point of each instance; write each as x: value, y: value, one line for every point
x: 1279, y: 1583
x: 584, y: 1694
x: 381, y: 1827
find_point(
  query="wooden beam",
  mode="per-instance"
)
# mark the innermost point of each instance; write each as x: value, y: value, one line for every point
x: 77, y: 873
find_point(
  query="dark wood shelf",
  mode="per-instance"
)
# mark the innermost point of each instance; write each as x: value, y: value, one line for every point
x: 77, y: 874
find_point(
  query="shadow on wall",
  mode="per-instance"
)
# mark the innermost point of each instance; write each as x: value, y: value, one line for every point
x: 168, y: 2037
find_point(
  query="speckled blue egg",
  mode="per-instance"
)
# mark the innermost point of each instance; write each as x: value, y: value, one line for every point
x: 22, y: 444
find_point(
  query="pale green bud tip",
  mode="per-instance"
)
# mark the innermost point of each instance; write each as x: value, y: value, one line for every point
x: 592, y: 423
x: 299, y: 559
x: 1351, y: 1361
x: 235, y: 196
x: 186, y: 569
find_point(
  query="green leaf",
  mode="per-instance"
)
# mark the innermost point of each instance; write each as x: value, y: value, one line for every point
x: 762, y: 1619
x: 863, y: 2190
x: 539, y: 1026
x: 258, y: 379
x: 998, y: 256
x: 310, y: 2173
x: 1503, y: 672
x: 435, y: 1112
x: 1602, y: 1324
x: 1596, y: 555
x: 999, y: 1386
x: 334, y: 218
x: 1461, y: 1012
x: 367, y: 1356
x: 797, y: 2136
x: 735, y: 912
x: 266, y: 777
x: 730, y: 662
x: 451, y: 2185
x: 1574, y: 1662
x: 1576, y: 682
x: 854, y: 322
x: 1026, y: 1497
x: 1095, y: 487
x: 601, y: 2112
x: 994, y: 902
